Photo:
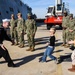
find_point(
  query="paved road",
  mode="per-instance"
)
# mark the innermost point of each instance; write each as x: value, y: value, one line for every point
x: 28, y: 62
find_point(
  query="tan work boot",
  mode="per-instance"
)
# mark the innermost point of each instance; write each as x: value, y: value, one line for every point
x: 67, y: 45
x: 12, y: 44
x: 32, y: 49
x: 72, y: 69
x: 28, y: 49
x: 63, y: 44
x: 16, y: 44
x: 21, y: 46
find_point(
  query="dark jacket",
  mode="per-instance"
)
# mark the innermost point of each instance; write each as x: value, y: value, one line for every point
x: 3, y: 35
x: 52, y: 41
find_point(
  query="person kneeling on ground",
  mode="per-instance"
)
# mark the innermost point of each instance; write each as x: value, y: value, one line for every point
x: 3, y: 36
x: 50, y: 47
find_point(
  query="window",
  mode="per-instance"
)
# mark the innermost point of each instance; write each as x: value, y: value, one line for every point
x: 11, y: 9
x: 58, y: 7
x: 7, y: 12
x: 50, y: 9
x: 0, y: 13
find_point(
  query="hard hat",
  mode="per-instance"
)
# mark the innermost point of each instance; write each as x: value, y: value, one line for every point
x: 65, y: 12
x: 12, y: 15
x: 28, y: 14
x: 19, y: 14
x: 71, y: 15
x: 5, y: 20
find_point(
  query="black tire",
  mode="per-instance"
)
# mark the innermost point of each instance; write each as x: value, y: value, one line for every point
x: 49, y: 26
x: 60, y: 26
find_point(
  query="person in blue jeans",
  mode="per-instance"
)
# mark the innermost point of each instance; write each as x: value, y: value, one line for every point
x: 50, y: 47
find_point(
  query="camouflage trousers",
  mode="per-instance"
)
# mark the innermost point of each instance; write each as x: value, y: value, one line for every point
x: 70, y: 36
x: 21, y: 38
x: 31, y: 40
x: 65, y: 36
x: 14, y: 36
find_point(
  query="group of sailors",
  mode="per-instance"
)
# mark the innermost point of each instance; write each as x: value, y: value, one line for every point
x: 68, y: 25
x: 20, y: 27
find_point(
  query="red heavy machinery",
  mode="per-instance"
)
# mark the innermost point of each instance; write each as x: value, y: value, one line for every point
x: 55, y: 14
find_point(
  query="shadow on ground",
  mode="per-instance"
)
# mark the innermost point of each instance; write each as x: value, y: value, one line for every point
x: 57, y: 51
x: 24, y: 60
x: 65, y: 58
x: 58, y: 44
x: 41, y: 40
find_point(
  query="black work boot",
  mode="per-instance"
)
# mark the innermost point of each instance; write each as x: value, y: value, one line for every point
x: 0, y: 56
x: 11, y: 64
x: 6, y: 56
x: 12, y: 42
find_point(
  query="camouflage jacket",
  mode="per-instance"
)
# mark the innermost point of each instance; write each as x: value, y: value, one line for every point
x: 12, y: 24
x: 72, y: 24
x: 20, y: 25
x: 30, y: 26
x: 65, y: 21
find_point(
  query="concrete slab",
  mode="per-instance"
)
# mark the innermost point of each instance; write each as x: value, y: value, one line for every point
x: 28, y: 62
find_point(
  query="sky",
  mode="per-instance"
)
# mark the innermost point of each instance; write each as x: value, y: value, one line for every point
x: 39, y: 7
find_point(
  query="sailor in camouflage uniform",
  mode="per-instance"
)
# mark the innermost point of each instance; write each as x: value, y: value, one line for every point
x: 20, y: 30
x: 74, y: 24
x: 65, y: 28
x: 13, y: 30
x: 71, y: 28
x: 30, y: 30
